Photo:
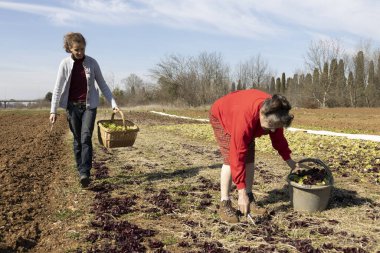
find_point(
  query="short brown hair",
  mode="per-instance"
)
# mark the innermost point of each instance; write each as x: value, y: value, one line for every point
x: 70, y: 38
x: 277, y: 108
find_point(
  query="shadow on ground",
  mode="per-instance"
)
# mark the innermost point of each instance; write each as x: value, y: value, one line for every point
x: 185, y: 172
x: 340, y: 198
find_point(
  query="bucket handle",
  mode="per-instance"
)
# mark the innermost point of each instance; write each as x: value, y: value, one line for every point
x: 319, y: 162
x: 122, y: 117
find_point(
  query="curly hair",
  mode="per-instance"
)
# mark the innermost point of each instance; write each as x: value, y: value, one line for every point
x: 70, y: 38
x: 277, y: 109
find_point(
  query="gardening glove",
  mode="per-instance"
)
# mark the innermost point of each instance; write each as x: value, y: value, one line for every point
x: 243, y: 202
x: 115, y: 109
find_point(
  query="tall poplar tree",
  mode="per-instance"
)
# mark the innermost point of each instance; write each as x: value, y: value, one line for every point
x: 233, y: 86
x: 283, y: 83
x: 370, y: 89
x: 332, y: 100
x: 351, y: 89
x: 306, y: 85
x: 359, y: 80
x: 324, y: 85
x: 341, y: 89
x: 272, y: 87
x: 278, y: 85
x: 377, y: 82
x: 315, y: 89
x: 290, y: 92
x: 239, y: 87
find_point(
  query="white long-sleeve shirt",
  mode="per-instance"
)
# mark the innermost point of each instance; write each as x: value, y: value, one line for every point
x: 93, y: 73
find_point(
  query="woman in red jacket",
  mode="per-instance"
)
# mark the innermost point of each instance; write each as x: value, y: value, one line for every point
x: 237, y: 119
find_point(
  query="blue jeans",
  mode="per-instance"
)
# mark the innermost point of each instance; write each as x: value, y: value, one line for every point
x: 81, y: 122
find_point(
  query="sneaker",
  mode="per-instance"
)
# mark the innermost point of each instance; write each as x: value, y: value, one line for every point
x: 84, y: 180
x: 227, y: 212
x: 255, y: 209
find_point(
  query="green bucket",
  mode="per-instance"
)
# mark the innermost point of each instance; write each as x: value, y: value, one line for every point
x: 311, y: 198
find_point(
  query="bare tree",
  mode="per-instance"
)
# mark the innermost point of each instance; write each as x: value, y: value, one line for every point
x: 134, y: 89
x: 242, y: 74
x: 132, y: 80
x: 110, y: 80
x: 255, y: 72
x: 213, y: 75
x: 193, y: 80
x: 322, y: 51
x: 167, y: 73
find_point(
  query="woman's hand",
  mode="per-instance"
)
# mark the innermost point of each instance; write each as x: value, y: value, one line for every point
x: 243, y: 202
x: 53, y: 118
x: 116, y: 109
x: 291, y: 163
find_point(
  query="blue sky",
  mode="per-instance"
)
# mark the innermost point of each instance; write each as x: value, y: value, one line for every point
x: 131, y: 36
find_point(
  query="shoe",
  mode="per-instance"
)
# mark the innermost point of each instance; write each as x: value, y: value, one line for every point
x: 255, y: 209
x: 84, y: 180
x: 227, y: 212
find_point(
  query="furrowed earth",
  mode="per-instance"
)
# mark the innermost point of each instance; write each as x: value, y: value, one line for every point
x: 162, y: 194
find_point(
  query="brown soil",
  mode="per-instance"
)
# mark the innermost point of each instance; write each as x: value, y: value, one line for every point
x: 31, y: 159
x: 352, y: 120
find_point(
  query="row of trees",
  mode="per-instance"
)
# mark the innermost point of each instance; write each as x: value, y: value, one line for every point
x: 331, y: 78
x: 332, y: 87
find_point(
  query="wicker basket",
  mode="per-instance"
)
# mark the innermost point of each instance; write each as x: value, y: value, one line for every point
x: 115, y: 139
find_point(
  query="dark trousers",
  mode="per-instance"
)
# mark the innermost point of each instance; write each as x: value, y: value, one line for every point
x: 81, y: 122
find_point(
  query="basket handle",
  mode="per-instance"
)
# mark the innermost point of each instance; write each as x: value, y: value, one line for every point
x: 319, y: 162
x: 122, y: 117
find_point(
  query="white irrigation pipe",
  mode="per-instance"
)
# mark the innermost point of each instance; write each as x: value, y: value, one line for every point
x: 365, y: 137
x: 181, y: 117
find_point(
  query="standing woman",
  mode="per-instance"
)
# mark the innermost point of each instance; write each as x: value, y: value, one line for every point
x: 237, y: 119
x: 76, y: 92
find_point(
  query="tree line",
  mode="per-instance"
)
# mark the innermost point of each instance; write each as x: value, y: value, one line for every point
x: 334, y: 85
x: 331, y: 78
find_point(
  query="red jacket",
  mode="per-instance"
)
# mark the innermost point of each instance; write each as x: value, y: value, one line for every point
x: 238, y: 112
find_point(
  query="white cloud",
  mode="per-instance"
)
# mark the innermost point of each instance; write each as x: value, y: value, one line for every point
x: 245, y: 18
x: 58, y: 15
x: 112, y: 6
x: 218, y: 16
x: 356, y: 17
